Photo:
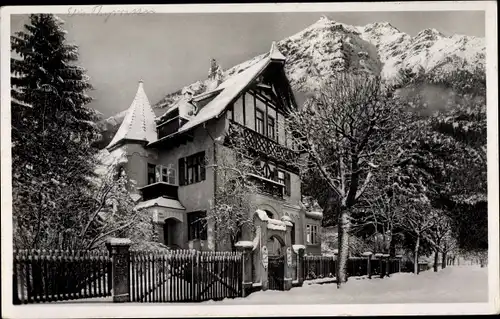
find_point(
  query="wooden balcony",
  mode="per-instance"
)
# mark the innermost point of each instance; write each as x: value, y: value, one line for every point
x: 262, y: 145
x: 268, y: 186
x: 159, y: 189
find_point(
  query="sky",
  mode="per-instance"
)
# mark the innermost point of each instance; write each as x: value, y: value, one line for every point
x: 171, y: 50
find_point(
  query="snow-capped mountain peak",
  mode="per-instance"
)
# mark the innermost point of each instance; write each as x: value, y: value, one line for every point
x: 326, y: 47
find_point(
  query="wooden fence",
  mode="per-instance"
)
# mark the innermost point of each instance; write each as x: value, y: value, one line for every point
x: 184, y: 276
x: 319, y: 267
x: 325, y: 266
x: 55, y: 275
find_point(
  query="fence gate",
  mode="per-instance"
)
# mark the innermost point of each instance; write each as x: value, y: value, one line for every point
x: 276, y: 272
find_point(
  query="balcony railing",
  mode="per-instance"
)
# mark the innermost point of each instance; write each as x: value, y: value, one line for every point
x: 268, y: 186
x: 262, y: 144
x: 159, y: 189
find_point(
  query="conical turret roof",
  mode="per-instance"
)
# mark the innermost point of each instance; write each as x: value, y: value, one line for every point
x: 139, y: 123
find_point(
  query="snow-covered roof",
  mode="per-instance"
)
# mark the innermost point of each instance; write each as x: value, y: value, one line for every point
x: 231, y: 88
x: 275, y: 54
x: 162, y: 202
x: 262, y: 215
x: 296, y: 248
x: 244, y: 244
x: 139, y: 123
x: 314, y: 215
x: 228, y: 90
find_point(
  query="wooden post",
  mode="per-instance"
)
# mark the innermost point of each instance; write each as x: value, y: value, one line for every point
x: 368, y: 255
x: 387, y: 265
x: 120, y: 268
x: 300, y: 265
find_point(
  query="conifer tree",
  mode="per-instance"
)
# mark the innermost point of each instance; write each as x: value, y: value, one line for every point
x: 52, y: 133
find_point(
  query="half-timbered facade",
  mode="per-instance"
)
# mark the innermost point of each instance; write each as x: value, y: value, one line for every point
x: 169, y: 156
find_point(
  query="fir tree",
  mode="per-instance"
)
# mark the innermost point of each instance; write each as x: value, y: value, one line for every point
x: 52, y: 133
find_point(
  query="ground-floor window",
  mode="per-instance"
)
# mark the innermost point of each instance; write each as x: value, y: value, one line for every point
x: 197, y: 226
x: 312, y: 234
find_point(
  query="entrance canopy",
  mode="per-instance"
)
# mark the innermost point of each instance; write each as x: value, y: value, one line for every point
x: 163, y: 208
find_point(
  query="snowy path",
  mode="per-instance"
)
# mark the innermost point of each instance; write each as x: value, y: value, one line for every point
x: 453, y: 284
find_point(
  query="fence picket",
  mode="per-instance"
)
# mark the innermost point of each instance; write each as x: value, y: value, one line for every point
x: 154, y: 276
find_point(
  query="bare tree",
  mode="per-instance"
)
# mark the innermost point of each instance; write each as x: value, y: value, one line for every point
x: 342, y: 130
x: 437, y: 235
x: 449, y: 245
x: 232, y: 204
x: 417, y: 218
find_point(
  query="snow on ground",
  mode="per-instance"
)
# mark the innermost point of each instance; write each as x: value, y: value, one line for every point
x: 453, y: 284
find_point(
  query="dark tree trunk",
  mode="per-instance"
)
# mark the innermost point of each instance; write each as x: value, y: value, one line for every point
x: 343, y: 238
x: 444, y: 260
x: 415, y: 255
x: 436, y: 260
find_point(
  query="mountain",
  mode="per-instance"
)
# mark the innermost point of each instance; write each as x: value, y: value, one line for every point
x: 327, y: 47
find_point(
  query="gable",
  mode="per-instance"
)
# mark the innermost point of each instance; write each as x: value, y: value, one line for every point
x: 265, y: 78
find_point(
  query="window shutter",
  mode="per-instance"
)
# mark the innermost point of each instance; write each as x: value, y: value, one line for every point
x: 287, y: 184
x: 202, y: 166
x: 182, y: 172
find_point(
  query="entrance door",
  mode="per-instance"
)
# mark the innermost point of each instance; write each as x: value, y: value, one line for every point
x: 276, y: 272
x: 169, y: 230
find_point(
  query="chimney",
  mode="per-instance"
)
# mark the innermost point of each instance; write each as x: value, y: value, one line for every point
x: 187, y: 94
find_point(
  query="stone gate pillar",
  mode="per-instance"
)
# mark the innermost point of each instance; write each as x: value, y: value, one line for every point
x: 120, y: 268
x: 247, y: 279
x: 287, y: 285
x: 300, y: 250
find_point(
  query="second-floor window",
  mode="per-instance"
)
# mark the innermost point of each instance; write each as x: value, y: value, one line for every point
x: 259, y: 121
x: 161, y: 173
x: 271, y: 128
x: 312, y: 234
x: 192, y: 169
x: 284, y: 179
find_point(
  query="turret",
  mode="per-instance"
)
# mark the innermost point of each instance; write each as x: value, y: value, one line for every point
x: 136, y: 131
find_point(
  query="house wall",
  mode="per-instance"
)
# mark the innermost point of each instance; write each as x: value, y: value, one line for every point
x: 194, y: 197
x: 289, y: 205
x: 137, y: 159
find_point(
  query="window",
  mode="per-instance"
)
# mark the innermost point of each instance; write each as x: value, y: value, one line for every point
x: 197, y: 226
x: 168, y: 174
x: 161, y: 173
x: 270, y: 128
x: 259, y: 121
x: 192, y: 169
x: 281, y: 177
x: 292, y: 234
x: 151, y: 173
x: 284, y: 179
x: 230, y: 112
x: 312, y: 234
